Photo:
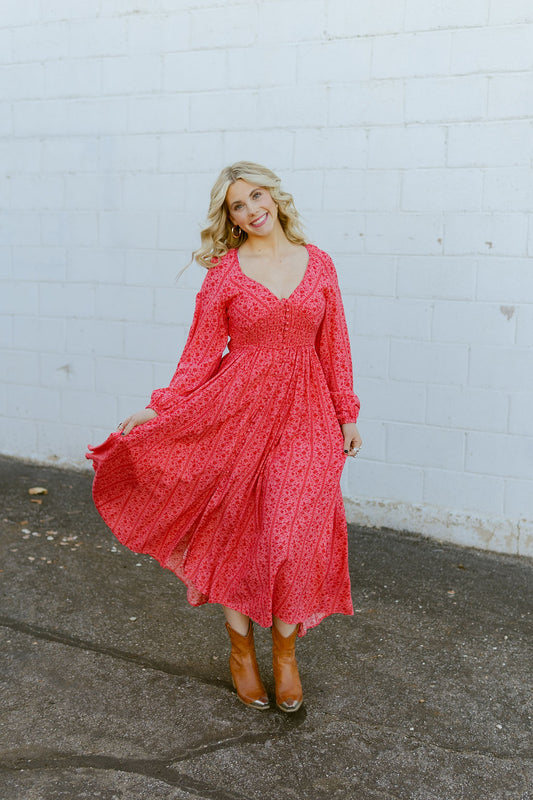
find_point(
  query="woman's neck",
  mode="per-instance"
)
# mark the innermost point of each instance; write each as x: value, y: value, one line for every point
x: 273, y: 245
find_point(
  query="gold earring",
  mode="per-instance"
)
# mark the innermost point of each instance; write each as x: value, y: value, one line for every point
x: 235, y: 231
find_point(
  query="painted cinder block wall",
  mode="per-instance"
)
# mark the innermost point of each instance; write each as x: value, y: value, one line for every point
x: 403, y: 128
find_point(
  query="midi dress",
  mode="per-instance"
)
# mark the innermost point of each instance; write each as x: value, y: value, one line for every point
x: 234, y: 486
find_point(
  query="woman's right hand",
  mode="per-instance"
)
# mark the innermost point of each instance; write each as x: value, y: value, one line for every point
x: 139, y: 418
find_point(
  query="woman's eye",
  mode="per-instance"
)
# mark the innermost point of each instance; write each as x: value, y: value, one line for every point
x: 256, y: 195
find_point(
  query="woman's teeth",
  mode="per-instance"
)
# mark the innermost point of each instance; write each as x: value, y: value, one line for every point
x: 257, y: 222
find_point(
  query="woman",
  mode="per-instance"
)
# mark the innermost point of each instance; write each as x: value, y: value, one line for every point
x: 230, y: 476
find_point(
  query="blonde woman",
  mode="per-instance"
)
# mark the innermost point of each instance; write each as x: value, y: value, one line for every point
x: 230, y: 476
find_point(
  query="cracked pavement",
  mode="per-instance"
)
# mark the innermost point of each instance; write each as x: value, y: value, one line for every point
x: 114, y: 688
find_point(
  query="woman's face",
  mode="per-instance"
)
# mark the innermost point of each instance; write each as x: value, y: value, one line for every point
x: 252, y: 208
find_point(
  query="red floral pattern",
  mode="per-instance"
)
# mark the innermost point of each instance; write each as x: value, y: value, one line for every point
x: 234, y: 486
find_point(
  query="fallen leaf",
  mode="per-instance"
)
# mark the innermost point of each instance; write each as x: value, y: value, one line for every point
x: 39, y: 502
x: 38, y: 490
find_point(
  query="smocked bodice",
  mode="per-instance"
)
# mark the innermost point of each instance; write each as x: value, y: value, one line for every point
x: 283, y: 326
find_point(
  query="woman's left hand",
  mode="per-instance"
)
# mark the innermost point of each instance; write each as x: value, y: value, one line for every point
x: 352, y: 439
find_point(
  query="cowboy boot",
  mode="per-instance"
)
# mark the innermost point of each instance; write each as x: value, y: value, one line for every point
x: 245, y: 671
x: 289, y: 694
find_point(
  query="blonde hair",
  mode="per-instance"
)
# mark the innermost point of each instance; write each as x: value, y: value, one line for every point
x: 217, y: 237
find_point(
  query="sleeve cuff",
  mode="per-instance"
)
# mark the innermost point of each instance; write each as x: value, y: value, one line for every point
x: 346, y: 407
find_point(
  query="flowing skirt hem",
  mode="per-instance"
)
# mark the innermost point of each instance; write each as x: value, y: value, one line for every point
x: 196, y: 597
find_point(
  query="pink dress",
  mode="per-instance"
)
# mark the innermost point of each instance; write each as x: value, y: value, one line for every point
x: 234, y: 486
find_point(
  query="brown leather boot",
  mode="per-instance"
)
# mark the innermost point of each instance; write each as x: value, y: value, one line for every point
x: 289, y: 694
x: 245, y: 671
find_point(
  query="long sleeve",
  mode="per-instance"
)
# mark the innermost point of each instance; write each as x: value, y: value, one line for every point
x: 207, y: 339
x: 333, y: 349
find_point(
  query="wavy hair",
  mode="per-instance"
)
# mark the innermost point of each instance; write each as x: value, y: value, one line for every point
x: 217, y: 237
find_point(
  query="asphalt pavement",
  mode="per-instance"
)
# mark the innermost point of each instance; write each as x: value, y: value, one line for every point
x: 113, y: 688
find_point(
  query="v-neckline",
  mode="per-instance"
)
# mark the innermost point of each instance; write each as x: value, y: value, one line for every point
x: 262, y: 285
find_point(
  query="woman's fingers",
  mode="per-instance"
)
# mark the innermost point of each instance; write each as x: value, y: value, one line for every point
x: 126, y: 426
x: 353, y: 447
x: 356, y: 442
x: 129, y: 424
x: 352, y: 438
x: 123, y: 425
x: 133, y: 420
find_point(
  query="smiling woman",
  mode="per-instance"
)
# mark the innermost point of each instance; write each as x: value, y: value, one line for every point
x: 254, y: 212
x: 222, y: 232
x: 230, y: 477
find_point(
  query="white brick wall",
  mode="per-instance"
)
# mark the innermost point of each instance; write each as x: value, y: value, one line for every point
x: 404, y: 130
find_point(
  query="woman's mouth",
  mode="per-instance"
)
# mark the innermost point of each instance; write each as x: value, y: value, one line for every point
x: 257, y: 223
